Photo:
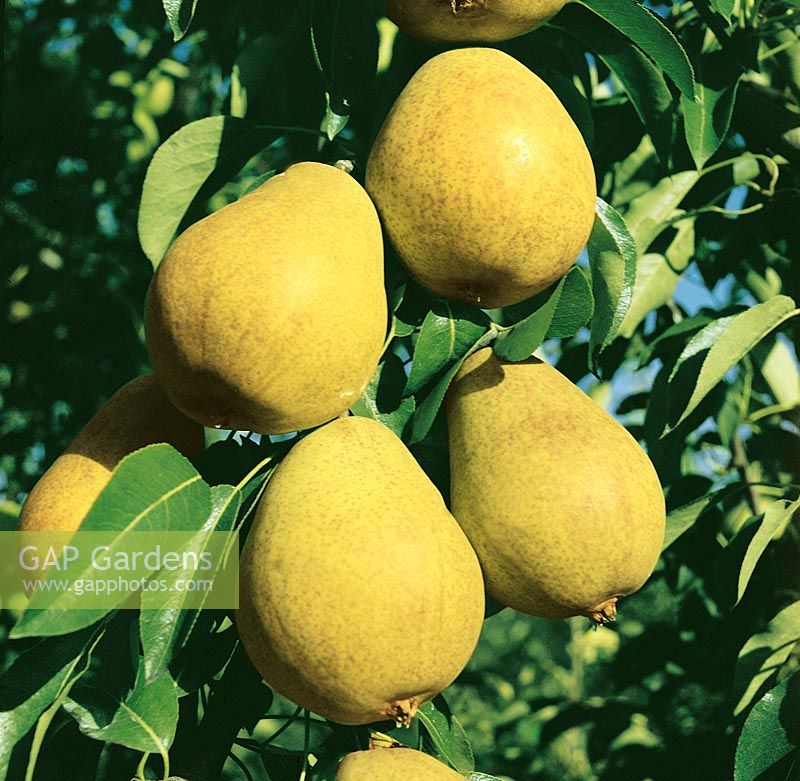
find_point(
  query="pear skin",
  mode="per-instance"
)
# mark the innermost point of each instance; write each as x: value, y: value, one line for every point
x: 137, y: 415
x: 270, y: 314
x: 443, y: 21
x: 360, y: 596
x: 562, y: 505
x: 394, y: 764
x: 484, y: 184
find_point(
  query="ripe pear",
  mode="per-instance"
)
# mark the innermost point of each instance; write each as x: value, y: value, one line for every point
x: 563, y: 507
x: 394, y: 764
x: 137, y: 415
x: 482, y: 180
x: 270, y: 314
x: 470, y: 20
x: 360, y: 596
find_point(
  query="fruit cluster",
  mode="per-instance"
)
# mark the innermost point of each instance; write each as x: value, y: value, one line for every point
x: 362, y: 596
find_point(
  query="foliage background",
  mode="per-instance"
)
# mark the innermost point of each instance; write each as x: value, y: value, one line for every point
x: 92, y: 89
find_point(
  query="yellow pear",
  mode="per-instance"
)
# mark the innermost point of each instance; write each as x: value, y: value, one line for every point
x: 470, y: 20
x: 561, y: 504
x: 270, y: 314
x: 137, y: 415
x: 360, y: 596
x: 394, y: 764
x: 482, y: 180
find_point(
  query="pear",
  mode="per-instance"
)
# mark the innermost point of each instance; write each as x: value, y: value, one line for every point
x: 360, y: 596
x: 470, y: 20
x: 561, y: 504
x: 482, y: 180
x: 251, y: 318
x: 394, y: 764
x: 139, y: 414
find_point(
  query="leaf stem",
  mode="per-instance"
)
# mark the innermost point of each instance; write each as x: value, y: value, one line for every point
x: 306, y: 741
x: 275, y: 735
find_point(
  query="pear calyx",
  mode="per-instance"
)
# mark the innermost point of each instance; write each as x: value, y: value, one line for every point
x: 604, y: 613
x: 402, y: 712
x: 467, y: 6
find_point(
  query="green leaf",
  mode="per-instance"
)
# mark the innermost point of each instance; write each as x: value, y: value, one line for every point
x: 780, y: 370
x: 33, y: 682
x: 649, y: 214
x: 641, y: 80
x: 769, y: 746
x: 775, y: 517
x: 763, y: 655
x: 612, y: 258
x: 575, y: 307
x: 179, y: 15
x: 427, y: 410
x: 648, y: 32
x: 724, y: 8
x: 144, y: 721
x: 153, y: 489
x: 251, y: 70
x: 447, y: 332
x: 682, y: 518
x: 666, y: 340
x: 165, y: 626
x: 657, y: 276
x: 447, y: 735
x: 519, y: 342
x: 707, y: 117
x: 183, y: 164
x: 345, y: 38
x: 382, y: 399
x: 727, y: 340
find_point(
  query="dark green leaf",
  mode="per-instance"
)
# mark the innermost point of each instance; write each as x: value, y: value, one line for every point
x: 382, y: 399
x: 519, y: 342
x: 739, y: 559
x: 769, y: 746
x: 727, y: 341
x: 724, y: 7
x: 427, y: 410
x: 707, y: 116
x: 447, y: 735
x: 179, y: 15
x: 612, y: 257
x: 682, y: 518
x: 345, y: 39
x: 647, y: 31
x: 777, y: 515
x: 641, y: 80
x: 32, y: 683
x: 575, y: 307
x: 447, y: 332
x: 164, y: 624
x: 144, y: 721
x: 763, y: 655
